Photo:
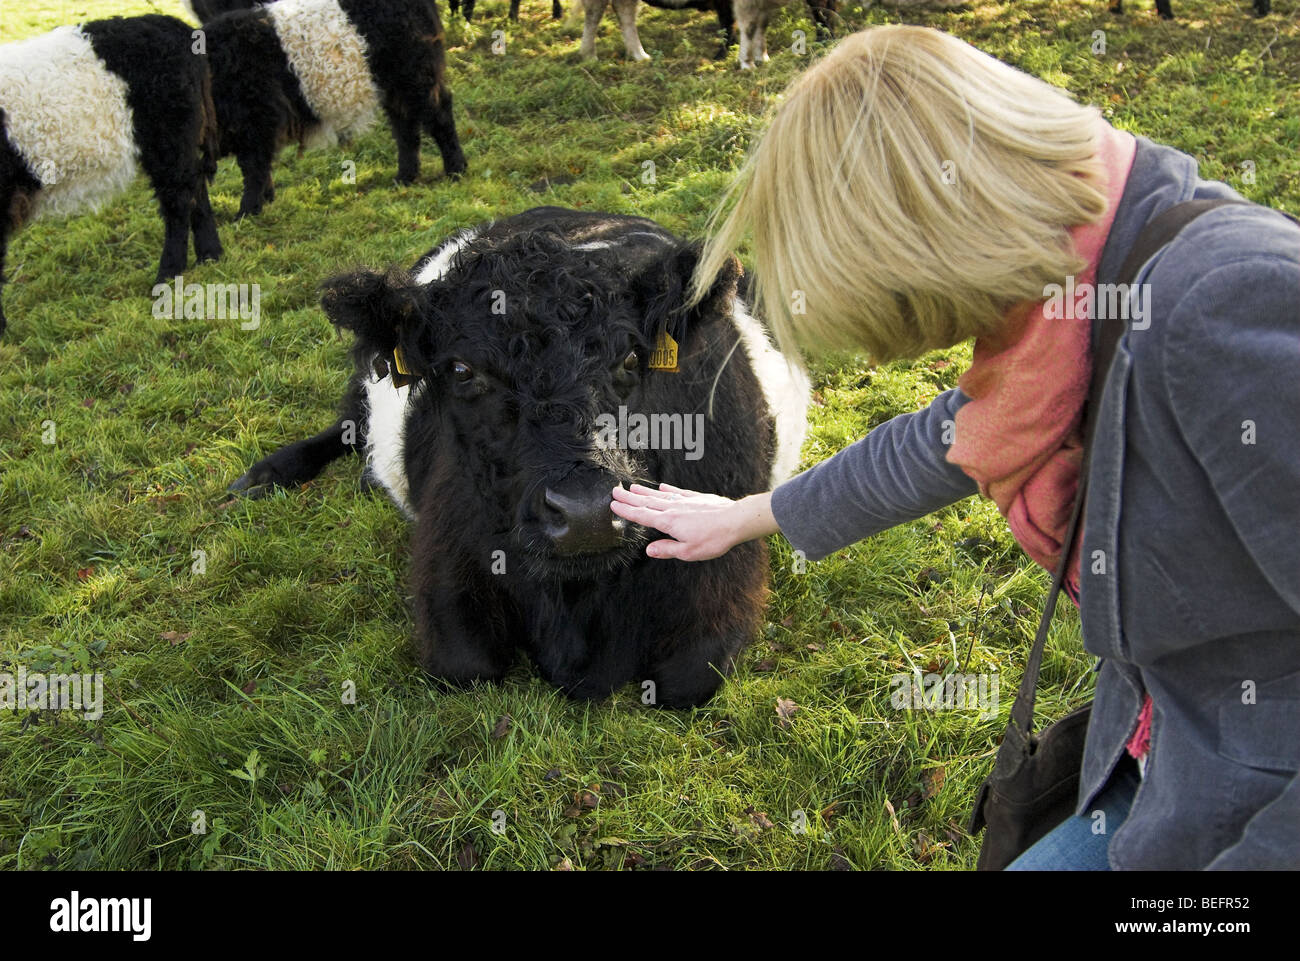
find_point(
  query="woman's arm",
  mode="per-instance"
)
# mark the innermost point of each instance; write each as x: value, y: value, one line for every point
x: 895, y: 474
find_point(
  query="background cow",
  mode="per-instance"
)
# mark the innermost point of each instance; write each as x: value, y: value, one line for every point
x: 81, y: 107
x: 482, y: 379
x: 318, y: 71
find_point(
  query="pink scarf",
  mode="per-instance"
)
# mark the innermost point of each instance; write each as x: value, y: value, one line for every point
x: 1019, y: 436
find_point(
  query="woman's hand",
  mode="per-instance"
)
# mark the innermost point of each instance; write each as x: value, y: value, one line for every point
x: 701, y: 526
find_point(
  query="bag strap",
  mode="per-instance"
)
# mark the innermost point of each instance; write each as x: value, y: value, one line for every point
x: 1158, y: 232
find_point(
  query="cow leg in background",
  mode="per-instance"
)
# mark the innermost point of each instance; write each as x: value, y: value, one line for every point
x: 823, y: 14
x: 441, y: 124
x: 727, y: 21
x: 255, y: 164
x: 1164, y: 9
x: 1263, y: 7
x: 626, y: 12
x: 405, y: 124
x: 514, y: 9
x: 557, y: 11
x: 176, y: 207
x: 207, y: 245
x: 593, y: 10
x: 303, y: 460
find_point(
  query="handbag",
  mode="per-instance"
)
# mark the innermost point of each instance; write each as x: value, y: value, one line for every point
x: 1035, y: 779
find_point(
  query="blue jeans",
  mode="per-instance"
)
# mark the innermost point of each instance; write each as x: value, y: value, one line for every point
x: 1072, y: 845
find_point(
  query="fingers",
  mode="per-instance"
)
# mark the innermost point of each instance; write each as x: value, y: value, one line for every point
x: 667, y: 549
x: 645, y: 516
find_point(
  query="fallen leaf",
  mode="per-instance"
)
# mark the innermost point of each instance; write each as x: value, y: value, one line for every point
x: 838, y: 861
x: 552, y: 774
x: 84, y: 573
x: 175, y: 637
x: 932, y: 781
x: 760, y: 820
x: 831, y: 810
x: 588, y: 797
x: 502, y: 727
x: 564, y: 865
x: 785, y: 709
x: 814, y: 646
x: 765, y: 665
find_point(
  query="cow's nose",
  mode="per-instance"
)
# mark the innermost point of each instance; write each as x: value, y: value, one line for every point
x: 580, y: 523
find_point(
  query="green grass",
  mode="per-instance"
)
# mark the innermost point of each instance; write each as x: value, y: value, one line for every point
x: 224, y: 689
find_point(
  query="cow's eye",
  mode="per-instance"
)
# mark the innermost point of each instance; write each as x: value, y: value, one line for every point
x: 461, y: 371
x: 631, y: 362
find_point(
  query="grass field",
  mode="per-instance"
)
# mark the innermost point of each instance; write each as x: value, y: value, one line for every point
x: 224, y: 688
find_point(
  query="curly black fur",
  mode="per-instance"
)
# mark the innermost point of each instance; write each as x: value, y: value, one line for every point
x: 260, y: 106
x: 169, y: 94
x: 479, y: 451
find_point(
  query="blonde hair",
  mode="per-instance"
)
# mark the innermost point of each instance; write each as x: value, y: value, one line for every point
x: 910, y: 189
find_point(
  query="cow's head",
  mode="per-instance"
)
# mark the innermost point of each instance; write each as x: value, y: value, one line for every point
x: 519, y: 348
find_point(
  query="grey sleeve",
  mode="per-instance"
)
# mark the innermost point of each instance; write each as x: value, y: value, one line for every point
x: 897, y: 473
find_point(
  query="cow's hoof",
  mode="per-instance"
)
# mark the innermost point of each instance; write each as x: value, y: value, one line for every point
x: 258, y: 481
x: 405, y: 180
x: 207, y: 256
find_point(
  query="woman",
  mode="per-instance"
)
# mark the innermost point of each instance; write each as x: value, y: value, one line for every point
x: 912, y: 193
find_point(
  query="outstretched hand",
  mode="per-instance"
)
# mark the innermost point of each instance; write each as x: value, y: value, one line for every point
x: 699, y: 526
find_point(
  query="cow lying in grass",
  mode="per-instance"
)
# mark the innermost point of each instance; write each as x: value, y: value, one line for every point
x: 493, y: 384
x: 82, y: 106
x: 318, y: 71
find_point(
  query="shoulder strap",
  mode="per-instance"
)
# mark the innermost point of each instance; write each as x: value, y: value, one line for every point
x: 1158, y: 232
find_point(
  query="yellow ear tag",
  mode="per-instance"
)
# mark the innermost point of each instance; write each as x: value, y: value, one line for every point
x: 400, y: 362
x: 664, y: 356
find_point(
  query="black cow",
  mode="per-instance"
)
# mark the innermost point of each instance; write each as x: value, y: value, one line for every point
x: 497, y: 393
x: 316, y: 71
x: 82, y: 107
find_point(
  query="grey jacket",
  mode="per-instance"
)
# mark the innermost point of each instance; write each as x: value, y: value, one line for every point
x: 1191, y: 553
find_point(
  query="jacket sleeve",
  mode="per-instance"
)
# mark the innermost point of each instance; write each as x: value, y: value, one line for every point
x: 897, y: 473
x: 1232, y: 375
x: 1232, y: 372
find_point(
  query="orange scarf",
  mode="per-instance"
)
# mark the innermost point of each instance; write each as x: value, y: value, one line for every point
x: 1019, y: 436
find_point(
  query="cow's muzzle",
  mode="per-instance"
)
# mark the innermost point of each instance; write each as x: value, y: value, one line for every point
x: 574, y: 514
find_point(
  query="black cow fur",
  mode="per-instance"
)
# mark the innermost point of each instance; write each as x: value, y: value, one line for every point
x: 480, y: 448
x: 174, y: 127
x: 260, y: 106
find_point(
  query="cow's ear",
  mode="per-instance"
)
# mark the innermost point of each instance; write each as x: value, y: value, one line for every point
x: 371, y: 305
x: 662, y: 292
